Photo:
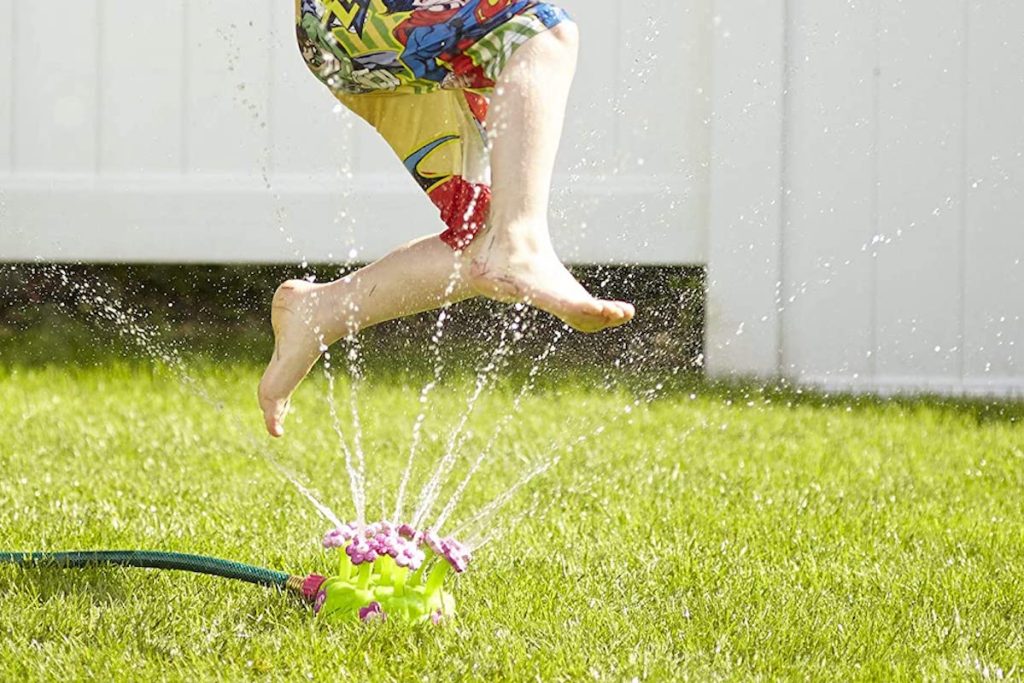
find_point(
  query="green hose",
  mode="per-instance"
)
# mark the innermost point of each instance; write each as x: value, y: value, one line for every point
x: 394, y: 593
x: 152, y: 560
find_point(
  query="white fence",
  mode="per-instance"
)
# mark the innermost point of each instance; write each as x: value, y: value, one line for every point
x: 851, y: 173
x: 192, y: 131
x: 867, y: 211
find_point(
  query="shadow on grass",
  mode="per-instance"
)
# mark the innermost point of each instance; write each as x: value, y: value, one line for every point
x: 82, y: 315
x: 980, y: 410
x: 103, y: 586
x: 217, y: 315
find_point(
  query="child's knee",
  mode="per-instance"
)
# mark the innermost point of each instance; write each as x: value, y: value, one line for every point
x: 568, y: 35
x: 550, y: 53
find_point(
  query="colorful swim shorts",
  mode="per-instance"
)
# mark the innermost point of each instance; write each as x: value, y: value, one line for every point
x: 420, y: 72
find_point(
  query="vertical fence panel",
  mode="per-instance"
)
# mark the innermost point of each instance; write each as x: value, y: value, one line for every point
x: 56, y: 106
x: 663, y: 111
x: 748, y: 82
x: 227, y: 71
x: 662, y: 86
x: 830, y: 181
x: 589, y: 149
x: 921, y: 190
x: 141, y: 86
x: 6, y: 84
x: 588, y: 159
x: 995, y: 209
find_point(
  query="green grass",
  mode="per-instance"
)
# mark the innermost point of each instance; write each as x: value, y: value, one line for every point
x: 714, y: 534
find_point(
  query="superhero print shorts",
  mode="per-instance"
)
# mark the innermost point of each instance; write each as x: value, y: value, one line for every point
x: 420, y: 72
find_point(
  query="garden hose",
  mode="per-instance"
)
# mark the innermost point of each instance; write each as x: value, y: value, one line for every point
x: 195, y: 564
x: 384, y: 571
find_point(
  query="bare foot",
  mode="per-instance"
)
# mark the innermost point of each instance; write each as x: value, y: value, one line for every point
x: 538, y: 278
x: 298, y: 343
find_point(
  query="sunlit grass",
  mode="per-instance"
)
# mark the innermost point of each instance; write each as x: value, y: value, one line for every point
x: 715, y: 533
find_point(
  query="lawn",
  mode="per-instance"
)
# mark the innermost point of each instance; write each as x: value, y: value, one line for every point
x: 714, y: 533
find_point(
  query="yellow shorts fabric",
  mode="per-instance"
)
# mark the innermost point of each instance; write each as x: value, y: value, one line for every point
x: 419, y: 72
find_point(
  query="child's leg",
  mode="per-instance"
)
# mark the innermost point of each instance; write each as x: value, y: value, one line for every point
x: 438, y: 139
x: 420, y: 276
x: 514, y: 258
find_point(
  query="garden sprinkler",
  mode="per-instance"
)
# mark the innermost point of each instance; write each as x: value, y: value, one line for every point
x: 385, y: 572
x: 390, y: 572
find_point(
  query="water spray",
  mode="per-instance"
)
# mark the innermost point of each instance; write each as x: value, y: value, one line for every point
x: 385, y: 572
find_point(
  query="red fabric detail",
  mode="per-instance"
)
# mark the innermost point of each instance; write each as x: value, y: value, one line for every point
x: 478, y: 104
x: 464, y: 207
x: 471, y: 75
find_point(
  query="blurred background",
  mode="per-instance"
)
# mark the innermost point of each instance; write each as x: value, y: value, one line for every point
x: 829, y: 193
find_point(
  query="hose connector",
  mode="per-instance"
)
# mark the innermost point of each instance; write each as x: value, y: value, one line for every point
x: 307, y: 587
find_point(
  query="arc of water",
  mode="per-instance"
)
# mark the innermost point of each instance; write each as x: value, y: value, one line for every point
x: 492, y: 442
x: 503, y: 499
x: 146, y: 339
x: 356, y: 485
x: 551, y: 460
x: 430, y: 492
x: 477, y: 542
x: 281, y: 218
x: 417, y: 428
x: 126, y: 320
x: 355, y: 461
x: 324, y: 511
x: 354, y: 357
x: 356, y: 474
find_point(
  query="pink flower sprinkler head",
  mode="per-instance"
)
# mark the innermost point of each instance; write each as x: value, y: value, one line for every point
x: 391, y: 570
x: 456, y: 554
x: 340, y: 537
